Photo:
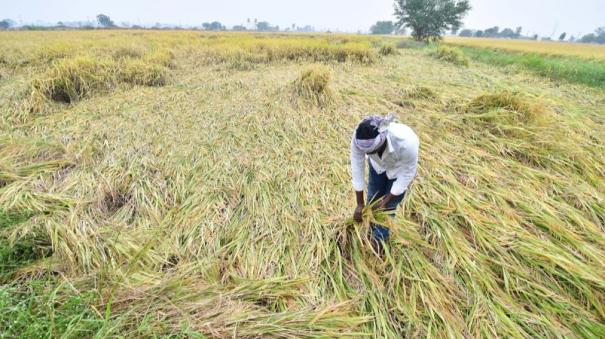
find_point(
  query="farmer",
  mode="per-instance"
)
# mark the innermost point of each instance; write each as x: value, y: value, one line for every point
x: 392, y: 150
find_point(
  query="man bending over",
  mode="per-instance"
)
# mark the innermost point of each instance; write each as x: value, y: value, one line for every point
x: 392, y: 152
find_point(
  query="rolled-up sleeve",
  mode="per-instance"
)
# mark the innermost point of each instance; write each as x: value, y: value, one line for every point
x: 406, y: 174
x: 358, y: 162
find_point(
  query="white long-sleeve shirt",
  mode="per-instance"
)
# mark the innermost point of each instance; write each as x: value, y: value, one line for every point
x: 399, y: 159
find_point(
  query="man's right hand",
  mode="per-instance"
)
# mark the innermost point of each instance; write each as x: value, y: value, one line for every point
x: 358, y: 215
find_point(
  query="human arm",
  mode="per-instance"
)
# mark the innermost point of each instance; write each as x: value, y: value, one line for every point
x: 357, y: 173
x: 358, y: 215
x: 404, y: 179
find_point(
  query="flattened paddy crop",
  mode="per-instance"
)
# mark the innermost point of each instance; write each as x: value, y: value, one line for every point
x: 197, y: 184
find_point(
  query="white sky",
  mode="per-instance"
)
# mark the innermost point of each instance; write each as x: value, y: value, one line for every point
x: 536, y: 16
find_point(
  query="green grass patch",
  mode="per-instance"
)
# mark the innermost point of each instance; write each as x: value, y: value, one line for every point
x: 33, y: 310
x: 36, y: 308
x: 575, y: 70
x: 15, y: 255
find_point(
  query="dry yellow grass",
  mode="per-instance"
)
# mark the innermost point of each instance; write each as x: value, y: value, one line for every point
x: 213, y: 205
x: 587, y: 51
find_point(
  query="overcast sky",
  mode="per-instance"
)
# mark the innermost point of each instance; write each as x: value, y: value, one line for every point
x: 536, y: 16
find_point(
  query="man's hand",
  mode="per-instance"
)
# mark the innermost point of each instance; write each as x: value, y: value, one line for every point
x: 382, y: 204
x: 358, y: 215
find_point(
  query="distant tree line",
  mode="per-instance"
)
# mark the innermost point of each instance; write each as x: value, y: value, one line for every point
x: 104, y: 21
x: 6, y: 24
x: 386, y: 27
x: 598, y: 37
x: 494, y: 32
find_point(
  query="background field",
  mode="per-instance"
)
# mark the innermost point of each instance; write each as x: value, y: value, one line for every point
x: 192, y: 184
x: 586, y: 51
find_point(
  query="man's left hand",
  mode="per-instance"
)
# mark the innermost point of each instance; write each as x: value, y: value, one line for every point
x: 381, y: 205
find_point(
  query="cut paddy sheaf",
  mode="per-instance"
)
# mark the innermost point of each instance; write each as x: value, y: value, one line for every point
x: 451, y: 54
x: 387, y: 49
x: 509, y: 108
x: 313, y: 86
x: 71, y: 80
x: 524, y: 128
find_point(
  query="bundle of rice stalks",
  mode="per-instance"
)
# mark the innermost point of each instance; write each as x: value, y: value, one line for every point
x: 356, y: 53
x: 248, y: 308
x: 452, y: 55
x: 313, y: 85
x: 387, y: 49
x: 508, y: 108
x: 140, y: 72
x: 70, y: 80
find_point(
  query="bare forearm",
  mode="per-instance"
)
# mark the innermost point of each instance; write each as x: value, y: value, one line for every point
x: 385, y: 201
x: 359, y: 197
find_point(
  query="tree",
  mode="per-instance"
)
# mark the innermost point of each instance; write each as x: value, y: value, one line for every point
x: 507, y: 33
x: 213, y: 26
x: 383, y: 27
x: 306, y: 28
x: 492, y: 32
x: 263, y: 26
x: 400, y: 31
x: 600, y: 33
x: 430, y: 19
x: 466, y: 33
x: 479, y: 34
x: 562, y: 36
x: 597, y: 37
x: 105, y: 21
x: 239, y: 28
x: 589, y: 38
x: 6, y: 24
x: 518, y: 32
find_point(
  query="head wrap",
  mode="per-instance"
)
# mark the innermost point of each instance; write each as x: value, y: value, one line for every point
x: 381, y: 125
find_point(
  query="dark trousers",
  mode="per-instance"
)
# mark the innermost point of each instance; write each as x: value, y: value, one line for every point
x: 379, y: 185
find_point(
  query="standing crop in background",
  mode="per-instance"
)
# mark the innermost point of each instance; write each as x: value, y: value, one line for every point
x: 429, y: 19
